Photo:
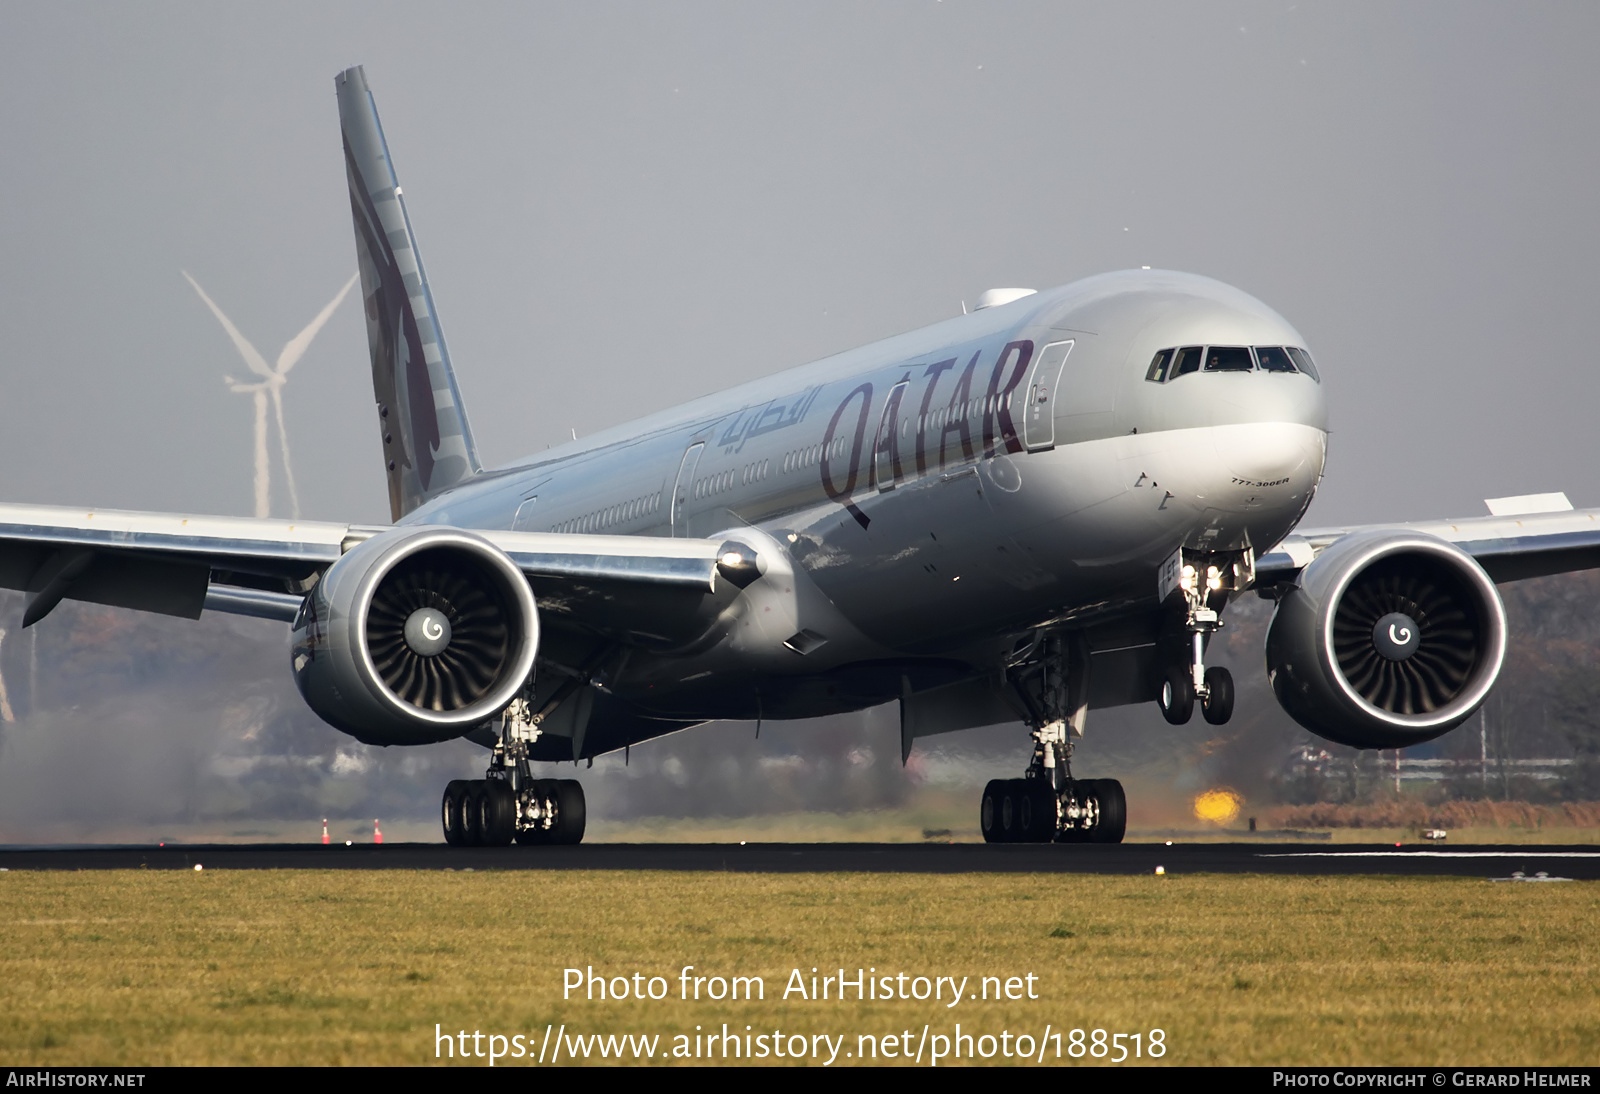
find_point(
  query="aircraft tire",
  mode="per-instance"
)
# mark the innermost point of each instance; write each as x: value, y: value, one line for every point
x: 1218, y: 704
x: 1011, y: 804
x: 1113, y: 811
x: 1037, y: 803
x: 472, y: 814
x: 1177, y: 697
x: 451, y: 812
x: 1022, y: 811
x: 571, y: 812
x: 989, y: 811
x: 499, y: 813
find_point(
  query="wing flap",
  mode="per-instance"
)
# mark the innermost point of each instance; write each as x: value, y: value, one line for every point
x: 126, y: 580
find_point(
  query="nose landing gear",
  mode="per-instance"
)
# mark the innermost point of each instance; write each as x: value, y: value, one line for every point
x: 1179, y: 695
x: 1205, y: 588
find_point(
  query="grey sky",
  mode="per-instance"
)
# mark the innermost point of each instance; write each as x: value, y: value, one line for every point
x: 623, y: 205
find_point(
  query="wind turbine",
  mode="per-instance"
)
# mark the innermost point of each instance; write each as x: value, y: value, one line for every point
x: 270, y: 387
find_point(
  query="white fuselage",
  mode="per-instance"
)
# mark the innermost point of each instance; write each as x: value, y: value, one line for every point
x: 932, y: 498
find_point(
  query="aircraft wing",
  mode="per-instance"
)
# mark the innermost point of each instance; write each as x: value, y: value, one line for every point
x: 182, y: 565
x: 1510, y: 546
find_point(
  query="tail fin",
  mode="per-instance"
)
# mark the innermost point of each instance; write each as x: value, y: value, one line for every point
x: 427, y: 443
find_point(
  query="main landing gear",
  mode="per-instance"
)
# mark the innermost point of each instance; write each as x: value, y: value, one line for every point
x: 1029, y: 810
x: 509, y: 803
x: 492, y: 812
x: 1205, y: 589
x: 1048, y: 804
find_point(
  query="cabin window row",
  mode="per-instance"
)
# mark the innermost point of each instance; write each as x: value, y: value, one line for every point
x: 612, y: 515
x: 1169, y: 364
x: 956, y: 412
x: 967, y: 409
x: 712, y: 484
x: 811, y: 455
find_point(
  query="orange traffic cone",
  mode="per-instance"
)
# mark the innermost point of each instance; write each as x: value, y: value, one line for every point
x: 324, y: 830
x: 377, y: 833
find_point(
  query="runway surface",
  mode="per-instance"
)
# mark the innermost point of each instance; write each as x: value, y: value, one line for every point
x: 1557, y: 861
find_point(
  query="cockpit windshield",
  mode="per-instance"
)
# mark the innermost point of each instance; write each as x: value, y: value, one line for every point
x: 1169, y: 364
x: 1303, y: 359
x: 1158, y: 367
x: 1274, y: 359
x: 1188, y: 361
x: 1229, y: 359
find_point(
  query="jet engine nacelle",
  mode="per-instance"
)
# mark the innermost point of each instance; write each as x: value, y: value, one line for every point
x: 414, y: 636
x: 1389, y: 639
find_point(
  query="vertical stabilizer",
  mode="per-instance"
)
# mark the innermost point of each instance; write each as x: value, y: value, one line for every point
x: 427, y: 444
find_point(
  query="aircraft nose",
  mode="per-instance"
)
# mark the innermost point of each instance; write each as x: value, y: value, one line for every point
x: 1270, y: 454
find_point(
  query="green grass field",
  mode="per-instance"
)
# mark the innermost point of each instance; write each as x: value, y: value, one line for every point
x: 135, y: 968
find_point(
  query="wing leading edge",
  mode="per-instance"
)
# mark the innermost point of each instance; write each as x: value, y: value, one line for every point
x: 1508, y: 547
x: 181, y: 565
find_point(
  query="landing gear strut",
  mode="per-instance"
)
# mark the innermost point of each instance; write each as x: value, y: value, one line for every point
x: 1048, y: 803
x: 509, y: 803
x: 1205, y: 587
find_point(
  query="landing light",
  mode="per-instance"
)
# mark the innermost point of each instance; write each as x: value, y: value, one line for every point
x: 732, y: 558
x: 1213, y: 579
x: 1219, y: 805
x: 1186, y: 579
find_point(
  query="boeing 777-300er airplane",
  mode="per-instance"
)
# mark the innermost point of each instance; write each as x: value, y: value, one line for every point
x: 1018, y: 514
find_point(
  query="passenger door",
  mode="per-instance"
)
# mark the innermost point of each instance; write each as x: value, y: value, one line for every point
x: 523, y: 521
x: 683, y: 484
x: 1039, y: 416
